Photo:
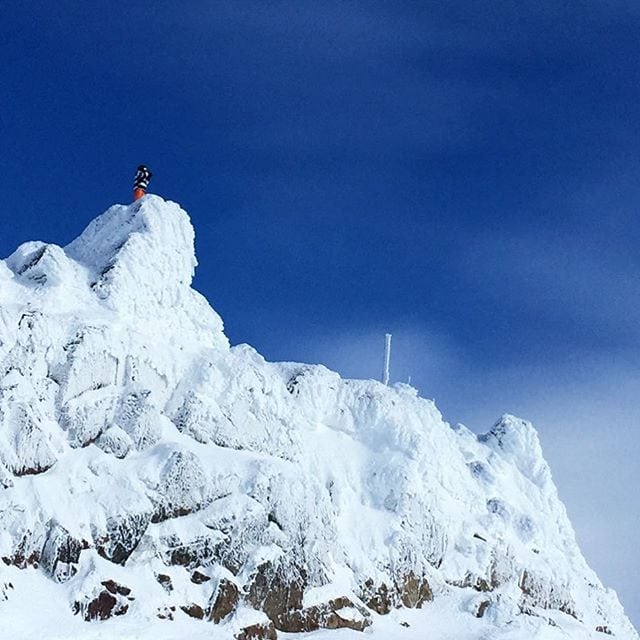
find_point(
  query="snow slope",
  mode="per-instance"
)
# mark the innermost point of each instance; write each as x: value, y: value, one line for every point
x: 151, y: 475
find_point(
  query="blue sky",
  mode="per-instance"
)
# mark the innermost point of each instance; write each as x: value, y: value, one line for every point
x: 464, y: 175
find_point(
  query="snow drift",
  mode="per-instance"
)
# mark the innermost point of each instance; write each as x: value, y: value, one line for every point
x: 152, y: 475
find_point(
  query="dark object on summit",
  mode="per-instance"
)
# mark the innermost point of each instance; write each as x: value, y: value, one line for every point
x: 141, y: 182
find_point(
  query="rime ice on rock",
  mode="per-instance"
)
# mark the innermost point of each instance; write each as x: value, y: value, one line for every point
x: 138, y: 450
x: 139, y: 255
x: 517, y: 441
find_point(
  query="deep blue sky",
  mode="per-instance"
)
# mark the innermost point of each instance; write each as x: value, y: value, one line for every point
x: 463, y: 174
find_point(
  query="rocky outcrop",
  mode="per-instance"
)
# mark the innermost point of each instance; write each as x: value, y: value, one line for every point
x: 31, y: 453
x: 26, y: 553
x: 414, y: 590
x: 61, y: 553
x: 276, y: 589
x: 481, y: 608
x: 197, y: 577
x: 192, y: 552
x: 258, y: 631
x: 407, y: 590
x: 115, y: 441
x: 165, y: 581
x: 537, y: 592
x: 380, y: 598
x: 183, y: 488
x: 113, y: 600
x: 193, y: 610
x: 339, y: 613
x: 224, y: 600
x: 121, y: 537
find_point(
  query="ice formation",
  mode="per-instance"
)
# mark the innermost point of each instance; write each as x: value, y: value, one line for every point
x: 153, y: 475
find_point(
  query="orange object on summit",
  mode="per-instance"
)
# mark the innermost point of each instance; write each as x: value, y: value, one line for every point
x: 141, y: 182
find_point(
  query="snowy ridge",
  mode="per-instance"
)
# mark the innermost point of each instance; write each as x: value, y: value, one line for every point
x: 154, y: 476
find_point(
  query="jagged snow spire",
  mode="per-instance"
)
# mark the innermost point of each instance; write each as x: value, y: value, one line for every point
x: 134, y: 260
x: 143, y: 250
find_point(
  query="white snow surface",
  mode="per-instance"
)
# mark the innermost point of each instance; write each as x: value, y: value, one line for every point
x: 121, y: 401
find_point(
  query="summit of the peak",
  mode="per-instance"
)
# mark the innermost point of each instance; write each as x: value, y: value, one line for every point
x: 141, y: 254
x: 151, y: 228
x: 135, y: 260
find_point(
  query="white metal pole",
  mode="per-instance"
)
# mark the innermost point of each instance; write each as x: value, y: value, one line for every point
x: 387, y: 359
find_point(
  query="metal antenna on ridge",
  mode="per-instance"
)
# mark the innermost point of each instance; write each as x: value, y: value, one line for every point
x: 387, y: 359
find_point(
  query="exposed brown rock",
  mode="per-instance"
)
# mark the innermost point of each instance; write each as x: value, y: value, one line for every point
x: 482, y: 607
x: 111, y: 601
x: 165, y: 580
x: 197, y: 577
x: 224, y: 600
x: 414, y: 591
x: 165, y: 613
x: 335, y: 614
x: 115, y: 588
x: 21, y: 561
x: 193, y: 610
x: 409, y: 591
x: 378, y: 599
x: 26, y: 553
x: 102, y: 607
x: 260, y: 631
x: 276, y: 590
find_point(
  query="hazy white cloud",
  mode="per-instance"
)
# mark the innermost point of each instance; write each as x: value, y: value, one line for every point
x: 559, y: 274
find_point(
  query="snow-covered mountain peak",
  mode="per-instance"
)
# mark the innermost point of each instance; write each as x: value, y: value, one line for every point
x: 134, y: 261
x: 147, y: 247
x: 149, y: 470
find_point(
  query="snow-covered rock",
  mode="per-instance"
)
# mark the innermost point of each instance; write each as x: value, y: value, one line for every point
x: 152, y: 472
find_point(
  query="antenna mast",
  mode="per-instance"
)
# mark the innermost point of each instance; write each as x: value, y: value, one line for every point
x: 387, y: 359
